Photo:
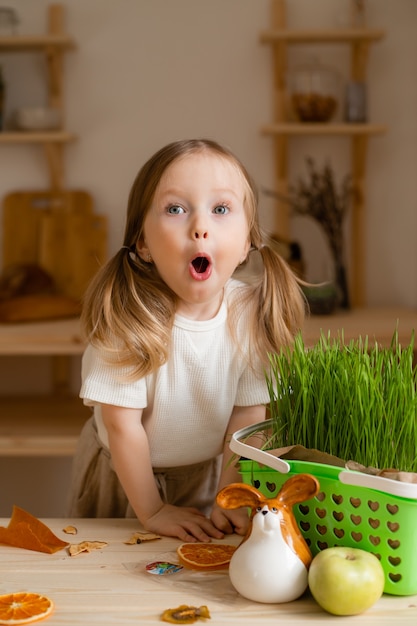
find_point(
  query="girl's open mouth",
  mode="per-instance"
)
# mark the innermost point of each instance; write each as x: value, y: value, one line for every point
x: 200, y: 267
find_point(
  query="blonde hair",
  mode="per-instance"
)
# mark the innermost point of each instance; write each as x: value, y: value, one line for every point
x: 129, y: 310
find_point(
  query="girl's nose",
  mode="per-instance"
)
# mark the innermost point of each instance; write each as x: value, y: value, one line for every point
x: 200, y: 233
x: 199, y: 227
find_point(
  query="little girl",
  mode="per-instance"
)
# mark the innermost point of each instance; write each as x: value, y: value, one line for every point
x: 177, y: 348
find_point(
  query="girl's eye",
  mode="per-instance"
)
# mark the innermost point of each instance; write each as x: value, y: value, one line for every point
x: 175, y: 209
x: 221, y: 209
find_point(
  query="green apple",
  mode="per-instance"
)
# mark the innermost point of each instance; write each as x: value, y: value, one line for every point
x: 346, y: 581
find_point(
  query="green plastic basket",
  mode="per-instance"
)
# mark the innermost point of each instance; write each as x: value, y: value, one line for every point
x: 352, y: 509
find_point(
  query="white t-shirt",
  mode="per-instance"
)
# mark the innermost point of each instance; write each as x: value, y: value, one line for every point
x: 188, y: 401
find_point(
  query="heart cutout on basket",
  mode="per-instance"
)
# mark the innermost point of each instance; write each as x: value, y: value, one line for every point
x: 395, y: 577
x: 374, y: 523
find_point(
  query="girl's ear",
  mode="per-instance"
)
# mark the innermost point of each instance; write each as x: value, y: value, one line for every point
x: 142, y: 251
x: 246, y: 252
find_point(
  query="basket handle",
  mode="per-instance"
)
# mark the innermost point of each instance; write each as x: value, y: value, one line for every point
x: 347, y: 477
x: 255, y: 454
x: 379, y: 483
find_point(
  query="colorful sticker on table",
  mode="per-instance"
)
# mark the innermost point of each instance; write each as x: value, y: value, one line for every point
x: 163, y: 568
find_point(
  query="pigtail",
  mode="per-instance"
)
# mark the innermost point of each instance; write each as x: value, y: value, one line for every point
x: 128, y: 312
x: 280, y: 304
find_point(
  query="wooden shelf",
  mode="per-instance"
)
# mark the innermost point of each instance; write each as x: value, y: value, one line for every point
x: 41, y: 426
x: 44, y: 425
x: 62, y: 337
x: 343, y: 36
x: 59, y: 136
x: 50, y: 426
x: 52, y: 45
x: 280, y: 38
x: 34, y: 43
x: 342, y: 129
x: 378, y: 324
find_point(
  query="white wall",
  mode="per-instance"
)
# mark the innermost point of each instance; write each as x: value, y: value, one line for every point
x: 146, y: 72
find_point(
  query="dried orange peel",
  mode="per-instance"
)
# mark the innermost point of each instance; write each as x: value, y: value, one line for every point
x: 86, y: 546
x: 24, y: 607
x: 140, y: 537
x: 26, y: 531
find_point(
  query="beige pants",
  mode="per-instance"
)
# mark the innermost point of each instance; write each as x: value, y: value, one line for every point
x: 96, y: 491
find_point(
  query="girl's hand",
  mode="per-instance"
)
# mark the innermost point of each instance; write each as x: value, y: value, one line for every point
x: 186, y: 523
x: 230, y: 521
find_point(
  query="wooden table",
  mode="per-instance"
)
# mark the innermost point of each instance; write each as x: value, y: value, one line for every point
x: 111, y: 586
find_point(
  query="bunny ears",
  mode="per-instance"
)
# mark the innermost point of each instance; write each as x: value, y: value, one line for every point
x: 296, y: 489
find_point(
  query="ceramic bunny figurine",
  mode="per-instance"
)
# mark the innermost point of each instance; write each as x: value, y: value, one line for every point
x: 271, y: 563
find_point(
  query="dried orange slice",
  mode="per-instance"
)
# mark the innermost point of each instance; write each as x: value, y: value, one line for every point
x: 185, y: 614
x: 205, y: 556
x: 23, y: 607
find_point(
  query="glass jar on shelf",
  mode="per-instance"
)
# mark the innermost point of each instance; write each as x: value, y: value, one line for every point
x: 314, y: 91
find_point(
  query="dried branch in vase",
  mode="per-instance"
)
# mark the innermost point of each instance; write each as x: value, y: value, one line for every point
x: 319, y: 198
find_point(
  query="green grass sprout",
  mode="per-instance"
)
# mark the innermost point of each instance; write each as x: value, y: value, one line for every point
x: 355, y: 400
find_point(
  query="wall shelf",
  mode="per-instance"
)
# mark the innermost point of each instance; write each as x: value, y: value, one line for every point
x: 43, y: 425
x: 49, y: 43
x: 38, y: 425
x: 60, y: 337
x: 60, y: 136
x: 322, y: 36
x: 292, y: 129
x: 53, y: 45
x: 378, y: 324
x: 282, y: 130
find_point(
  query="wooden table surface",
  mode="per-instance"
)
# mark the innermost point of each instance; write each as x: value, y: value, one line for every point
x: 111, y: 585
